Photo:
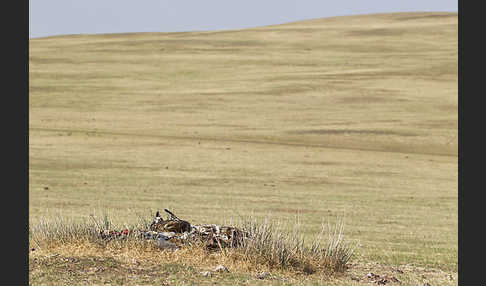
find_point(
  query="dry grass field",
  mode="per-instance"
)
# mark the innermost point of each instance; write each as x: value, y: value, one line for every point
x: 351, y: 118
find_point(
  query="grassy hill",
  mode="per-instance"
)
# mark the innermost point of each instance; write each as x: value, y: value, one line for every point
x: 348, y: 117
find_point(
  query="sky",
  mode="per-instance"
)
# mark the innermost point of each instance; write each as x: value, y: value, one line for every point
x: 64, y: 17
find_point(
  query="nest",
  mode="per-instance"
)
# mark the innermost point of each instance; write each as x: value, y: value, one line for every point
x: 173, y: 233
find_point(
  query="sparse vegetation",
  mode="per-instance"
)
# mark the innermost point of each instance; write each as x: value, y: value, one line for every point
x: 352, y: 117
x: 275, y: 247
x: 265, y: 244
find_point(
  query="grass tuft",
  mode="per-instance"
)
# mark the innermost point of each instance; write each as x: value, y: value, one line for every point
x: 271, y: 245
x: 266, y: 244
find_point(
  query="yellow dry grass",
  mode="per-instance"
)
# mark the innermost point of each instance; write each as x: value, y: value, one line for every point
x: 146, y: 253
x: 347, y: 117
x: 132, y: 263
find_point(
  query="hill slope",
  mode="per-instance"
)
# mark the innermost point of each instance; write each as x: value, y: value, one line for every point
x: 351, y: 117
x: 379, y: 82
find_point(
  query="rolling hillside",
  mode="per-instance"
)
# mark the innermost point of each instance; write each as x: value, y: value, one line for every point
x: 352, y: 117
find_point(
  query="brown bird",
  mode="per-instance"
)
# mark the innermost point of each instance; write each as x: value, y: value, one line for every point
x: 173, y: 224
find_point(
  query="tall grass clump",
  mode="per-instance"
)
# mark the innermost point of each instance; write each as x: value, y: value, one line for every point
x: 263, y: 242
x: 268, y: 243
x: 61, y: 230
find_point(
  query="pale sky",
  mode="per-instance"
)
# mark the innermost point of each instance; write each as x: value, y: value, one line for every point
x: 61, y: 17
